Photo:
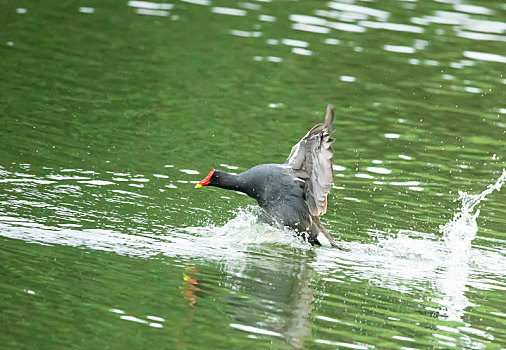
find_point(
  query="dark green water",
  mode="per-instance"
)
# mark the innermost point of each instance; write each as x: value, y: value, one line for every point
x: 110, y: 113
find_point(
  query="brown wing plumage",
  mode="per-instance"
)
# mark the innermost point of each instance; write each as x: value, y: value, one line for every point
x: 311, y: 160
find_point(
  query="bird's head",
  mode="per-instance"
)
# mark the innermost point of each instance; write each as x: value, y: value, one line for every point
x: 206, y: 181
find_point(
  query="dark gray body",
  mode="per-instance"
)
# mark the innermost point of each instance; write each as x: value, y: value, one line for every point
x: 281, y: 194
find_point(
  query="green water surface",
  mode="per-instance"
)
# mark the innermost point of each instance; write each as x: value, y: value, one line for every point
x: 111, y: 111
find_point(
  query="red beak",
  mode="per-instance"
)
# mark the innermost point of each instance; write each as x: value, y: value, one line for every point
x: 206, y: 181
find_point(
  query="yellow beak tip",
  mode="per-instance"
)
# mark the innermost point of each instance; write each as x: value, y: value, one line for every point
x: 198, y: 186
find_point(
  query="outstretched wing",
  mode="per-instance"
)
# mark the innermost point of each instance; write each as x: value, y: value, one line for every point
x: 311, y: 160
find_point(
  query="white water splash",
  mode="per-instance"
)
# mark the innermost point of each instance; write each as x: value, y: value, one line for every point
x: 461, y: 230
x: 245, y: 229
x: 411, y: 259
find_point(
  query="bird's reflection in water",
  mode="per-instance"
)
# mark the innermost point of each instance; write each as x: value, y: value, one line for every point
x: 301, y: 304
x: 280, y: 294
x: 189, y: 286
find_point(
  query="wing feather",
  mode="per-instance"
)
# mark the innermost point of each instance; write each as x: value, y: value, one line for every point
x: 312, y: 158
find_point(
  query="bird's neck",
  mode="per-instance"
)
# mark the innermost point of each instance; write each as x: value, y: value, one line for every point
x: 229, y: 181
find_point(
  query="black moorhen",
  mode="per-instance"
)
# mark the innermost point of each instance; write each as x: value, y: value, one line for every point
x: 294, y: 194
